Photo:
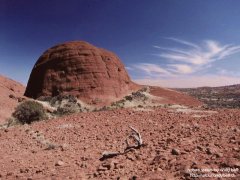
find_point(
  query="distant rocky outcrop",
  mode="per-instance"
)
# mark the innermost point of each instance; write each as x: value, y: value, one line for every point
x: 216, y: 97
x: 78, y: 68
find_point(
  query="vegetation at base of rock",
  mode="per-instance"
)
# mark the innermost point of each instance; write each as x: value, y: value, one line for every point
x: 60, y: 98
x: 137, y: 96
x: 66, y: 110
x: 47, y: 107
x: 29, y: 111
x: 64, y: 104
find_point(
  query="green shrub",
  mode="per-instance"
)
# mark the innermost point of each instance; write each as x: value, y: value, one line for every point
x: 29, y: 111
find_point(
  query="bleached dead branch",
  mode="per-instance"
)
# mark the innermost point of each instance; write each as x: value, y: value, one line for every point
x: 138, y: 142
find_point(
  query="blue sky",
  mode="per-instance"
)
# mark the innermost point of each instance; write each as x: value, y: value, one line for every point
x: 171, y: 43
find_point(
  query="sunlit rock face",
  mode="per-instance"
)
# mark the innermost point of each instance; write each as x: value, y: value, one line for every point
x: 80, y: 69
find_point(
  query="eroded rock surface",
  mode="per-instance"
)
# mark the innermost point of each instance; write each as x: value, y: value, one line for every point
x: 78, y: 68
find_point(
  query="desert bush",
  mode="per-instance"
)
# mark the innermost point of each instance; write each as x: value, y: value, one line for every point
x: 118, y: 104
x: 105, y: 108
x: 11, y: 122
x: 66, y: 110
x: 60, y: 98
x: 66, y: 104
x: 128, y: 98
x: 29, y: 111
x: 139, y: 95
x: 44, y: 98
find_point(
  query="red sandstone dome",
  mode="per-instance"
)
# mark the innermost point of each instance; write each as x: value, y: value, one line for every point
x: 80, y: 69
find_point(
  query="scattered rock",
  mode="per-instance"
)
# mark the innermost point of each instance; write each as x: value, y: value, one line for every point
x: 200, y: 148
x: 131, y: 157
x: 208, y: 147
x: 233, y: 163
x: 59, y: 163
x: 101, y: 168
x: 12, y: 96
x: 219, y: 155
x: 156, y: 160
x: 10, y: 174
x: 175, y: 152
x: 213, y: 151
x: 107, y: 165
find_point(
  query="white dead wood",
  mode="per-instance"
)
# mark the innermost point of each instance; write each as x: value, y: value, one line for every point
x: 138, y: 142
x: 137, y: 136
x: 109, y: 154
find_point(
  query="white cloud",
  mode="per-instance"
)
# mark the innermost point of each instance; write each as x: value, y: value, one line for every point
x: 184, y: 42
x: 128, y: 68
x: 191, y: 58
x: 229, y: 51
x: 181, y: 68
x: 198, y: 55
x: 183, y: 62
x: 150, y: 69
x: 191, y: 81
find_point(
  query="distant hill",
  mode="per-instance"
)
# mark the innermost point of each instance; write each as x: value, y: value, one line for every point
x: 216, y: 97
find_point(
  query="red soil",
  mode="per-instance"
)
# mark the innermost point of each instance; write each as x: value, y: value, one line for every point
x: 70, y: 147
x: 174, y: 97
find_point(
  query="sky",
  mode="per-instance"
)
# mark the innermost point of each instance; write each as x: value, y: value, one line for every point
x: 169, y: 43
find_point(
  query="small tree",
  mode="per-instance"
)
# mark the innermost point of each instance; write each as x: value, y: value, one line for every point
x: 29, y: 111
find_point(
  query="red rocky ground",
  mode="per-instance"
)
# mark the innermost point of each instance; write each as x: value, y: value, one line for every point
x: 169, y: 96
x: 11, y: 92
x: 176, y: 139
x: 70, y: 147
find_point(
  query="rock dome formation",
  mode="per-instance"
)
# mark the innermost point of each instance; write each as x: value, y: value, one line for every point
x: 80, y: 69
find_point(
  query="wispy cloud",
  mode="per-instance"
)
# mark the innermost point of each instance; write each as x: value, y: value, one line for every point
x: 150, y: 69
x: 180, y: 68
x: 197, y: 56
x: 184, y: 42
x: 187, y: 57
